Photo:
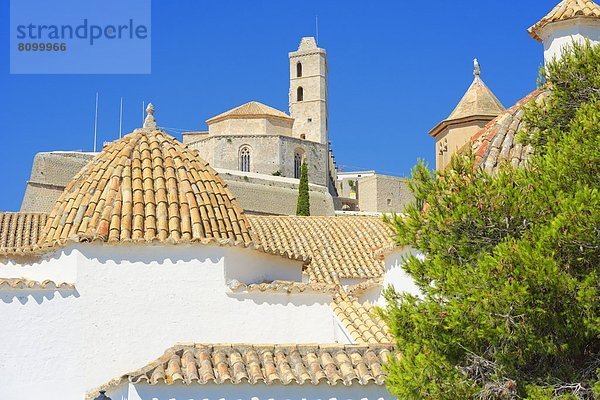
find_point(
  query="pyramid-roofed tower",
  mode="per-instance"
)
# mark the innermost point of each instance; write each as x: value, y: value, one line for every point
x: 146, y: 187
x: 477, y: 100
x: 477, y: 107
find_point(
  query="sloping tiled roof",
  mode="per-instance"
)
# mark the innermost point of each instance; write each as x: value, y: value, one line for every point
x: 253, y: 109
x: 496, y: 143
x: 146, y: 187
x: 20, y: 229
x: 360, y: 320
x: 566, y: 10
x: 478, y: 100
x: 202, y: 364
x: 338, y: 247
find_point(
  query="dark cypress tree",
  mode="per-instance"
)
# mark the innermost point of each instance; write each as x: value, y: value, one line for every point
x: 303, y: 197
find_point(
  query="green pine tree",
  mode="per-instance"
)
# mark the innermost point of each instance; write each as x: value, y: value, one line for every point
x: 510, y: 284
x: 303, y: 207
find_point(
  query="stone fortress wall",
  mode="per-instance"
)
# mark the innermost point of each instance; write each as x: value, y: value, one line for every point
x: 50, y: 173
x: 256, y: 193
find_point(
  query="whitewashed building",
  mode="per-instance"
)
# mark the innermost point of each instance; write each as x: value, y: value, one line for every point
x: 147, y: 280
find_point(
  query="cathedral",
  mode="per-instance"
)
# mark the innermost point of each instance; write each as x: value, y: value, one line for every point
x: 258, y: 150
x: 138, y: 273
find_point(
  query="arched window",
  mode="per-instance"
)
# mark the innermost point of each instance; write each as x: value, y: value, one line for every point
x: 245, y: 159
x: 299, y: 69
x: 299, y: 94
x: 298, y: 158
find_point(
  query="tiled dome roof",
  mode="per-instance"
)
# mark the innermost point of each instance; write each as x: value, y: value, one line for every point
x: 566, y: 10
x: 146, y: 187
x: 496, y: 143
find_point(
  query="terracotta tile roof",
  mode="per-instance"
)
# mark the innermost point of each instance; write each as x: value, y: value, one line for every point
x: 478, y: 100
x: 20, y: 229
x: 338, y: 247
x: 23, y: 283
x: 302, y: 364
x: 566, y: 10
x: 253, y: 109
x: 496, y: 143
x: 360, y: 320
x: 145, y: 187
x: 285, y: 287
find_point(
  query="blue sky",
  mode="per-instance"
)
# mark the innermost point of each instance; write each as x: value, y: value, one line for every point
x: 396, y: 68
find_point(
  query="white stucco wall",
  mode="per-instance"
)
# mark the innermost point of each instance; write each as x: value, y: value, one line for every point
x: 249, y: 392
x: 131, y: 303
x: 560, y: 35
x: 394, y: 276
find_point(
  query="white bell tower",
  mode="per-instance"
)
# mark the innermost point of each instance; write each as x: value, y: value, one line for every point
x: 308, y: 91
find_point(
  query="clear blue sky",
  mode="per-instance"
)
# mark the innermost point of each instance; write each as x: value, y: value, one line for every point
x: 396, y: 68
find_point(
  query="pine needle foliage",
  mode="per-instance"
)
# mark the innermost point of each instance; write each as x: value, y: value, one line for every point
x: 510, y: 285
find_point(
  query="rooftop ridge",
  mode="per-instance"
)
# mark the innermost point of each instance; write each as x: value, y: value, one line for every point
x: 251, y: 109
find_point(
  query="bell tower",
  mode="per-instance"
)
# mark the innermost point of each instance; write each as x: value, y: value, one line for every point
x: 308, y: 91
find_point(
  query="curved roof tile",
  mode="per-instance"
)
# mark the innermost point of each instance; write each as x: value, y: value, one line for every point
x: 24, y: 283
x: 496, y: 143
x: 188, y: 364
x: 20, y: 229
x: 146, y: 187
x: 566, y: 10
x: 338, y: 247
x: 360, y: 320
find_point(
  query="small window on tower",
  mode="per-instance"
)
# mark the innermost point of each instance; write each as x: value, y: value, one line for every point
x: 300, y: 94
x: 310, y: 120
x: 299, y: 69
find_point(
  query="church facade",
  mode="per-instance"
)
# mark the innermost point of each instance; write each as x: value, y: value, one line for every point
x: 257, y: 138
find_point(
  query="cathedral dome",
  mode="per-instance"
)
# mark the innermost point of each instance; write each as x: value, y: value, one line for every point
x: 146, y: 187
x: 497, y: 142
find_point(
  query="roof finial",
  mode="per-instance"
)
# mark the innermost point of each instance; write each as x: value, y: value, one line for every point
x: 477, y: 67
x: 150, y: 122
